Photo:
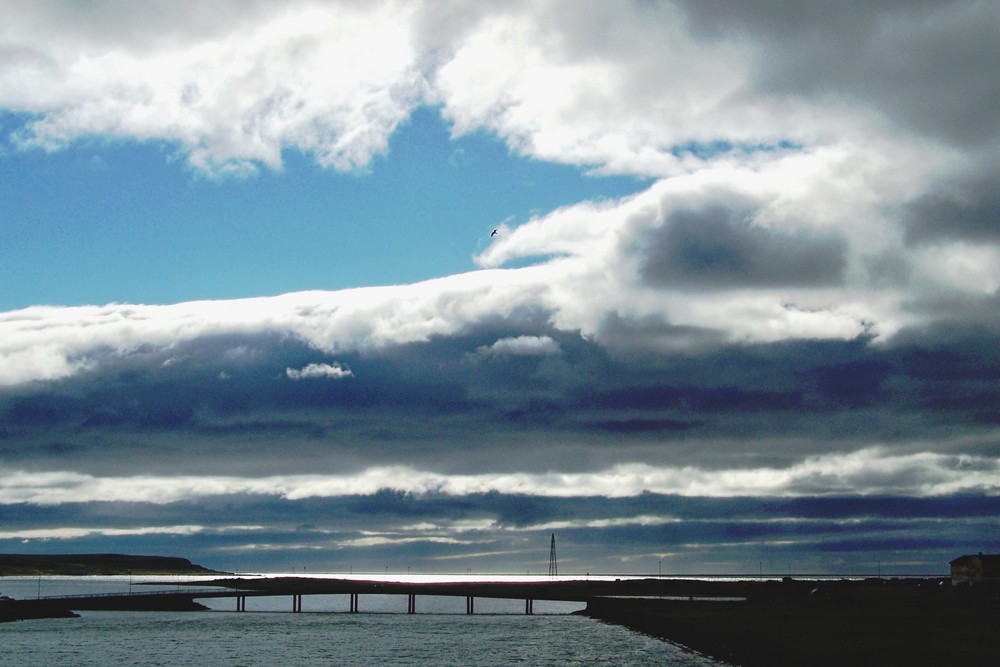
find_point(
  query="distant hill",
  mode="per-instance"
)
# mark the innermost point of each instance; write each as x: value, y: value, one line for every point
x: 96, y: 564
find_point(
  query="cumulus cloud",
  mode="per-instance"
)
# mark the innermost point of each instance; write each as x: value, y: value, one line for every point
x: 333, y: 371
x: 234, y: 87
x: 521, y: 346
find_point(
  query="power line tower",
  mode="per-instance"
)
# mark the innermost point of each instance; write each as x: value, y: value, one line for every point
x: 553, y: 567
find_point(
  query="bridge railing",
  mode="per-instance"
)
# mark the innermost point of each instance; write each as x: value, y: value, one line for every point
x: 186, y: 593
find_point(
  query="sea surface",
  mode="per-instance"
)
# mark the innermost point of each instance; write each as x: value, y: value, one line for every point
x: 268, y: 633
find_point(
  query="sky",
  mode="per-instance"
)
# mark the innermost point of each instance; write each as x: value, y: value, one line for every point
x: 739, y: 313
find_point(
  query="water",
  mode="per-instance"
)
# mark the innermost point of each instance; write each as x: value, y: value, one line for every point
x: 440, y: 633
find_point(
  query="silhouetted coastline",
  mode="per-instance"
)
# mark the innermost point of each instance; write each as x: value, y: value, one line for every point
x: 15, y: 565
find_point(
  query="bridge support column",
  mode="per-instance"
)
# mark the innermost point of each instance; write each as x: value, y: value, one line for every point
x: 411, y: 603
x: 470, y: 604
x: 529, y: 606
x: 296, y: 603
x: 241, y: 603
x: 354, y: 603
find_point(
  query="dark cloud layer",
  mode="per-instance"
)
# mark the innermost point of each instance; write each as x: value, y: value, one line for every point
x: 718, y: 247
x: 794, y: 535
x: 224, y: 407
x: 424, y: 403
x: 930, y: 65
x: 966, y: 210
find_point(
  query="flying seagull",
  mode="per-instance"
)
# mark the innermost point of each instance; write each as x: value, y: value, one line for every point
x: 493, y: 234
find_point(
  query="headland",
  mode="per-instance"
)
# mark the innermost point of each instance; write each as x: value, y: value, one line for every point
x: 33, y: 565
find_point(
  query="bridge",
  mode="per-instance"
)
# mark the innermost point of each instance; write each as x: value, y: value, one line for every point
x: 295, y: 588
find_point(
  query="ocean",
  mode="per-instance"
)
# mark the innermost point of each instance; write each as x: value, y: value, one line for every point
x: 440, y: 633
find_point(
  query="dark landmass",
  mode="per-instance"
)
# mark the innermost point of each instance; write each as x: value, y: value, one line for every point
x: 10, y: 612
x: 66, y: 607
x: 12, y: 565
x: 871, y: 622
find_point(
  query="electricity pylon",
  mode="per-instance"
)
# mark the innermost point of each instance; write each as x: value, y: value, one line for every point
x: 553, y: 567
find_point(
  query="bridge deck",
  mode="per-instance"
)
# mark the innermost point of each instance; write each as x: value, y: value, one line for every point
x: 184, y: 595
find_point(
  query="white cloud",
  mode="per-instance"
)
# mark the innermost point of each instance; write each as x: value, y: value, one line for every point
x: 44, y: 343
x: 867, y: 472
x: 628, y: 88
x: 330, y: 79
x: 958, y: 266
x: 73, y: 532
x: 333, y: 371
x: 592, y: 91
x: 452, y: 526
x: 615, y: 522
x: 521, y: 346
x: 385, y: 540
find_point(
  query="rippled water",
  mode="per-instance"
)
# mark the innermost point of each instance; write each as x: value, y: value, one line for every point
x: 383, y: 634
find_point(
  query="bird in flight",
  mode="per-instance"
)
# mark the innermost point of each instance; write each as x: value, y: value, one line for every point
x: 493, y: 234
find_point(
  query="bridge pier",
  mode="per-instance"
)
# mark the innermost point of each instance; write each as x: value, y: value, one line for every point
x: 241, y: 603
x: 411, y: 603
x: 529, y: 606
x: 354, y: 603
x: 296, y: 603
x: 470, y: 604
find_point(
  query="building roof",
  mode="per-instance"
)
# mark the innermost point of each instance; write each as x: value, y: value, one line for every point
x: 983, y: 558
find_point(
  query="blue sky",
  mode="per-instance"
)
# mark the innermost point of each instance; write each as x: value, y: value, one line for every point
x: 111, y: 221
x: 740, y: 312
